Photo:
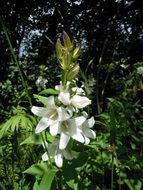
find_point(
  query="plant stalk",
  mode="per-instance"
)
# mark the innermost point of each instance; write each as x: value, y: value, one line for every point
x: 112, y: 173
x: 17, y: 64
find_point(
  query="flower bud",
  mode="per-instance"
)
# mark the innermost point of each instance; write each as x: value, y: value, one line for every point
x: 59, y: 48
x: 67, y: 42
x: 73, y: 72
x: 76, y: 53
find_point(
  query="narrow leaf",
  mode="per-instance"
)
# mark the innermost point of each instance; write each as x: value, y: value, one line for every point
x: 47, y: 179
x: 49, y: 91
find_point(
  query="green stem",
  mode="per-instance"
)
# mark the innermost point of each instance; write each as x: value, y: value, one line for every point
x: 103, y: 170
x: 17, y: 64
x: 112, y: 173
x: 119, y: 182
x: 50, y: 162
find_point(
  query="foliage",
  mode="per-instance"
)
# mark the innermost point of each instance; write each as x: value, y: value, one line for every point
x: 112, y: 161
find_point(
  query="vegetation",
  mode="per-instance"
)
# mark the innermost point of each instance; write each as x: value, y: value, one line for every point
x: 93, y: 51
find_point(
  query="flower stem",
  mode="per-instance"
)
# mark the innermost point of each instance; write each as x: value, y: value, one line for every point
x: 112, y: 173
x: 50, y: 162
x: 17, y: 64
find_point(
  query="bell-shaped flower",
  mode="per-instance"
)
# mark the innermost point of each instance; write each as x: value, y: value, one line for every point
x: 56, y: 153
x: 87, y: 132
x: 80, y: 101
x: 64, y: 95
x: 70, y: 129
x: 50, y: 114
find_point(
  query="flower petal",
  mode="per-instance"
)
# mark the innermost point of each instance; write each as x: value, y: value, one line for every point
x: 58, y: 87
x: 59, y: 160
x: 62, y: 114
x: 42, y: 125
x: 78, y: 137
x: 45, y: 157
x: 39, y: 111
x: 64, y: 139
x: 91, y: 122
x: 64, y: 97
x: 80, y: 101
x: 87, y: 140
x: 67, y: 154
x: 54, y: 128
x: 51, y: 102
x: 79, y: 121
x: 89, y: 133
x: 78, y: 91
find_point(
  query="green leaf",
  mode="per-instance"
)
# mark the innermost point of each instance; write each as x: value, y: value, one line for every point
x: 4, y: 128
x: 36, y: 185
x: 134, y: 184
x: 72, y: 184
x: 16, y: 122
x: 33, y: 139
x: 23, y: 121
x: 37, y: 170
x: 37, y: 139
x: 2, y: 186
x: 47, y: 179
x: 41, y: 99
x: 49, y: 91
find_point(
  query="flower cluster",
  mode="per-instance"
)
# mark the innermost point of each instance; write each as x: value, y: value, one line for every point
x: 64, y: 115
x: 65, y: 120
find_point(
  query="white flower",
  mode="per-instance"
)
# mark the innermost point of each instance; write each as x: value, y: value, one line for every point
x: 61, y: 88
x: 64, y: 95
x: 70, y: 129
x: 140, y: 70
x: 80, y: 101
x: 41, y: 82
x: 75, y: 100
x: 87, y: 132
x: 78, y: 91
x: 50, y: 115
x: 56, y: 153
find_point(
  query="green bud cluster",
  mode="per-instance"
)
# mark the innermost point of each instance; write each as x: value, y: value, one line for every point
x: 67, y: 56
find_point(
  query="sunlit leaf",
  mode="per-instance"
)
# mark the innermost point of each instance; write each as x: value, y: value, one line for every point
x: 37, y: 170
x: 41, y: 99
x: 49, y: 91
x: 16, y: 122
x: 33, y: 139
x: 47, y: 179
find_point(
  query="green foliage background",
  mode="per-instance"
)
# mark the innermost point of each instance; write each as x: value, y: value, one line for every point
x: 110, y: 36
